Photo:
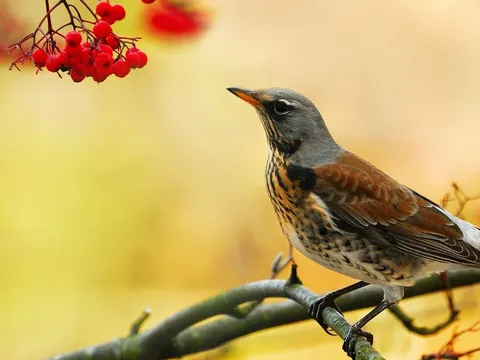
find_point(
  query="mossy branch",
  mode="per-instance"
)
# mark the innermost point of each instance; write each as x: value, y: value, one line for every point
x: 176, y: 336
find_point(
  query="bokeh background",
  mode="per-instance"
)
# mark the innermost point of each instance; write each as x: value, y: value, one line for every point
x: 148, y: 190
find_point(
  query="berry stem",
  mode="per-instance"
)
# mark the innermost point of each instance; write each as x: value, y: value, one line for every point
x: 88, y: 8
x: 49, y: 18
x: 50, y: 31
x: 72, y: 17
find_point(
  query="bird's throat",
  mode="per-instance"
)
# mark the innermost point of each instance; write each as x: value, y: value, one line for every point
x: 285, y: 147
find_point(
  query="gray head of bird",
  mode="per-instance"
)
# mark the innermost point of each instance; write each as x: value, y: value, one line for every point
x: 292, y: 123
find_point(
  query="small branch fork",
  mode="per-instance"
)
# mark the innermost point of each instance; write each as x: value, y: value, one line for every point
x: 279, y: 263
x: 447, y: 351
x: 460, y: 197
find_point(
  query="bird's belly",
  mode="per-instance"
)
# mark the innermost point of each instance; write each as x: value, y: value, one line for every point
x: 324, y: 257
x: 329, y: 252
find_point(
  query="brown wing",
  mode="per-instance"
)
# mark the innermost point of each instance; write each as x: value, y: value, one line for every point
x: 374, y: 204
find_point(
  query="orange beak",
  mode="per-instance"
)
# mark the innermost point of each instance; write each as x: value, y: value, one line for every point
x: 245, y: 95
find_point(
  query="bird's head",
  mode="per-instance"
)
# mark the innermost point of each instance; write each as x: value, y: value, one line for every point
x: 289, y: 118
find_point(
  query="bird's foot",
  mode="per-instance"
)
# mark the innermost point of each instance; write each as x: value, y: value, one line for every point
x: 351, y: 339
x: 315, y: 310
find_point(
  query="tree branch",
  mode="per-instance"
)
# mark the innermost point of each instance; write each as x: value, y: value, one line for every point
x: 408, y: 322
x: 175, y: 336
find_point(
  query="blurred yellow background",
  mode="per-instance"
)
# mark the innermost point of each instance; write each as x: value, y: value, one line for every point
x: 149, y: 190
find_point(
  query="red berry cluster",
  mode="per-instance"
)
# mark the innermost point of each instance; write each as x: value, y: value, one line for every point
x: 91, y: 49
x: 90, y: 58
x: 177, y: 19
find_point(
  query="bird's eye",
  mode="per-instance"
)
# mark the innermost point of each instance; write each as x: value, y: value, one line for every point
x: 281, y: 107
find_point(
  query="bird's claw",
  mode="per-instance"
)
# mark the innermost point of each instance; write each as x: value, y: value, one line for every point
x: 315, y: 310
x: 351, y: 339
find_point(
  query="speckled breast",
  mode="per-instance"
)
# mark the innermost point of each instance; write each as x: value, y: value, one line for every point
x: 284, y: 195
x: 303, y: 221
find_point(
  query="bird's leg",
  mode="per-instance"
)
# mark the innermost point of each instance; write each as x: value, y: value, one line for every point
x: 279, y: 264
x: 356, y: 329
x: 328, y: 300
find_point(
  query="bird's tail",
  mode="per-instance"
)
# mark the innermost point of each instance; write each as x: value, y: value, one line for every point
x: 471, y: 233
x: 478, y: 238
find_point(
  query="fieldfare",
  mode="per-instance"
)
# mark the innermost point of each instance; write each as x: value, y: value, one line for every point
x: 345, y: 214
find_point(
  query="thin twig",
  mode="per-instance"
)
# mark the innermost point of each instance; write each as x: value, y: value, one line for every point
x: 447, y: 351
x: 49, y: 17
x: 278, y: 264
x: 460, y: 196
x: 407, y: 321
x: 137, y: 324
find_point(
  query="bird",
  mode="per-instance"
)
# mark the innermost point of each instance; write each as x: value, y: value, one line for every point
x: 344, y: 213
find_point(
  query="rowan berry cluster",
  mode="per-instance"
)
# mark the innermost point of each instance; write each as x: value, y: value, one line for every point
x: 90, y: 49
x: 177, y: 19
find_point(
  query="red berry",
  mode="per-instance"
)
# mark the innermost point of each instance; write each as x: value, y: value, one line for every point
x: 89, y: 70
x: 113, y: 42
x: 110, y: 19
x: 102, y: 29
x: 85, y: 55
x: 39, y: 57
x: 133, y: 60
x: 99, y: 76
x: 77, y: 76
x: 106, y: 49
x: 63, y: 57
x: 118, y: 12
x: 73, y: 61
x: 73, y: 38
x: 103, y: 8
x: 101, y: 73
x: 104, y: 60
x: 143, y: 59
x: 79, y: 67
x: 53, y: 63
x: 121, y: 68
x: 72, y: 49
x: 148, y: 1
x: 132, y: 50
